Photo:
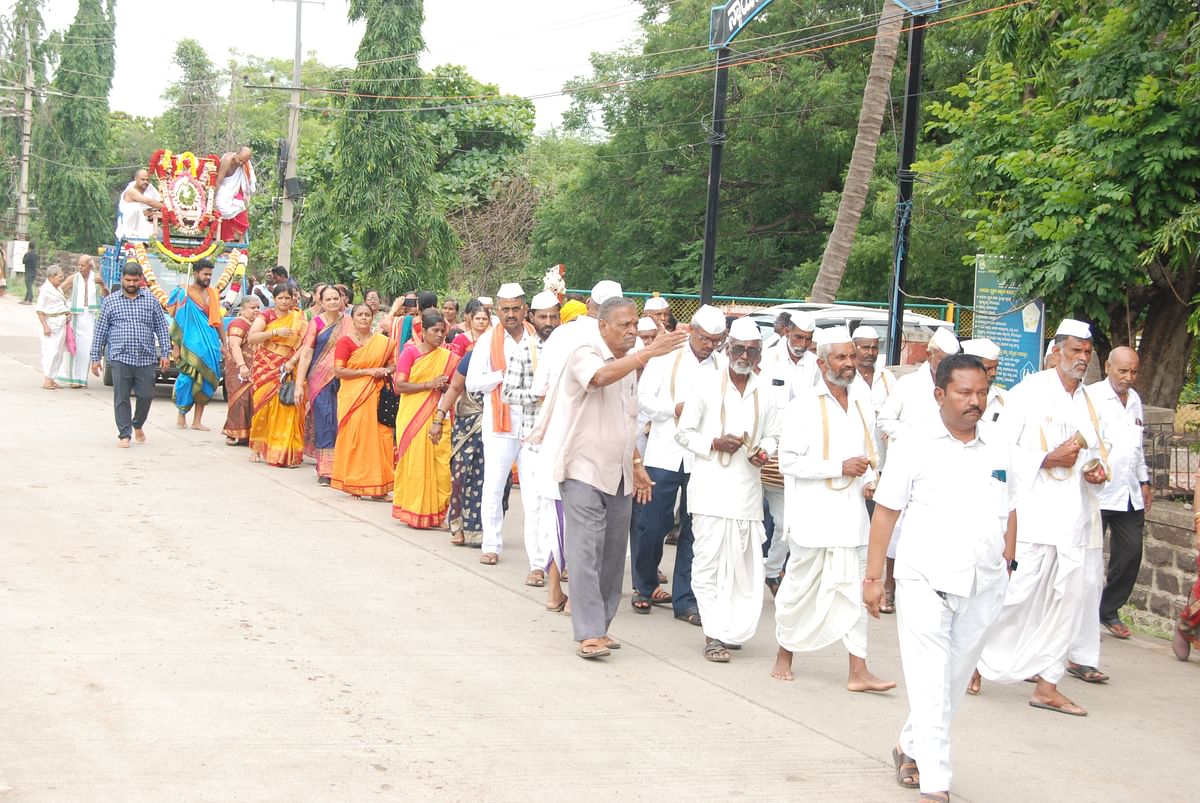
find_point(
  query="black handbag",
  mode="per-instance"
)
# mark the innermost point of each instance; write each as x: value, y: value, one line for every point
x: 388, y: 406
x: 287, y: 388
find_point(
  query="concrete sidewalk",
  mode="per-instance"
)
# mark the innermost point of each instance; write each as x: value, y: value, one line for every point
x: 181, y: 624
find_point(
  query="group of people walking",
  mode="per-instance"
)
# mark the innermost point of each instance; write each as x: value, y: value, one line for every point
x: 804, y: 469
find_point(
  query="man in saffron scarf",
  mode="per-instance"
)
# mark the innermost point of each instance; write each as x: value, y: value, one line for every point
x: 501, y: 421
x: 239, y: 401
x: 198, y: 336
x: 422, y: 480
x: 363, y: 458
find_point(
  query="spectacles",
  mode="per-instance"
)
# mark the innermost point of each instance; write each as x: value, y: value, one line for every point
x: 749, y: 351
x: 715, y: 342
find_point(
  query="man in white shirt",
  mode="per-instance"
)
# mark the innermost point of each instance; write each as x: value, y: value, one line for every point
x: 1125, y: 498
x: 667, y: 383
x: 791, y: 371
x: 730, y: 425
x: 657, y: 310
x: 827, y: 454
x: 501, y: 421
x: 1045, y: 605
x: 911, y: 407
x: 954, y: 483
x: 988, y: 354
x: 878, y: 380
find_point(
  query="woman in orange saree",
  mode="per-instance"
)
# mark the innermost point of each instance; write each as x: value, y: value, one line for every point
x: 364, y: 456
x: 276, y: 429
x: 239, y: 390
x: 422, y: 487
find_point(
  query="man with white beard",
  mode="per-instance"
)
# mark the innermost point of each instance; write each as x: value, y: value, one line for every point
x: 731, y: 425
x: 1046, y: 605
x: 827, y: 453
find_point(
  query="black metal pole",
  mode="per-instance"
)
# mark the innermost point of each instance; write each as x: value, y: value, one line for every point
x: 908, y: 152
x: 714, y: 176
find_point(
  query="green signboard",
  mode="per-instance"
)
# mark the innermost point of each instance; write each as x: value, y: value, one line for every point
x: 1015, y: 324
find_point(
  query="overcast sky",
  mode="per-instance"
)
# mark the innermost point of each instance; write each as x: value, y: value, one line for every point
x: 526, y: 48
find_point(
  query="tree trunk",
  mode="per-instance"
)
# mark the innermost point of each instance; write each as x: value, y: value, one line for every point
x: 1164, y: 351
x: 862, y: 160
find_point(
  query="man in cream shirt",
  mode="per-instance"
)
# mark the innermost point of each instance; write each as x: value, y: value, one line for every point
x: 826, y: 454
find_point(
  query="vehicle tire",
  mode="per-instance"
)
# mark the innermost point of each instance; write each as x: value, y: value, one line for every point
x: 108, y: 380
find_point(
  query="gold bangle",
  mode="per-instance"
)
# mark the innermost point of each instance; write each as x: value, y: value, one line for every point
x: 637, y: 461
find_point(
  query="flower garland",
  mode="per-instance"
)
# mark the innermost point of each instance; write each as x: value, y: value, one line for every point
x: 186, y: 255
x: 140, y: 256
x: 554, y: 281
x: 175, y: 175
x: 233, y: 268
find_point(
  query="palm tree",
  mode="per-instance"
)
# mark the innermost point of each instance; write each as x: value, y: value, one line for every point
x: 862, y: 160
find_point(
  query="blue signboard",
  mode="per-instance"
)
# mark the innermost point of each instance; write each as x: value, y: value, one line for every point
x: 728, y: 20
x: 1016, y: 325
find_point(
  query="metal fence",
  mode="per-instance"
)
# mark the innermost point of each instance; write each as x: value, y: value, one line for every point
x: 1173, y: 458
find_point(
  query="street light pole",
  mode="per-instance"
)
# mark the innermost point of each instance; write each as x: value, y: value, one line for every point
x: 717, y: 140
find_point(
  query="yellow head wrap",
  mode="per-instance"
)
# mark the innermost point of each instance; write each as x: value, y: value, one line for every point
x: 572, y: 310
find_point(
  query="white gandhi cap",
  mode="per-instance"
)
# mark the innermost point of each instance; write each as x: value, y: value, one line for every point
x: 654, y: 304
x: 485, y: 301
x: 831, y: 336
x: 606, y: 289
x: 804, y: 321
x: 981, y: 347
x: 745, y: 329
x: 944, y: 341
x: 866, y: 333
x: 1073, y: 328
x: 647, y: 325
x: 544, y: 300
x: 710, y: 319
x: 510, y: 290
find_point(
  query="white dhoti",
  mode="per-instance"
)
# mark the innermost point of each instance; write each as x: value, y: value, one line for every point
x: 548, y: 547
x: 1085, y: 649
x: 940, y: 643
x: 54, y: 346
x: 74, y: 370
x: 727, y: 576
x: 499, y: 454
x: 777, y: 552
x: 820, y: 600
x: 1042, y: 613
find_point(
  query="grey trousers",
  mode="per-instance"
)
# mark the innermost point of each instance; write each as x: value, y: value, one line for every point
x: 596, y: 532
x: 138, y: 380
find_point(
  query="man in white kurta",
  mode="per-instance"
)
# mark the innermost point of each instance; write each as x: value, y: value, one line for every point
x: 878, y: 379
x: 788, y: 367
x: 730, y: 424
x: 501, y: 422
x: 667, y: 384
x: 826, y: 454
x: 988, y: 354
x: 955, y: 485
x: 84, y: 291
x: 1046, y: 417
x: 53, y: 314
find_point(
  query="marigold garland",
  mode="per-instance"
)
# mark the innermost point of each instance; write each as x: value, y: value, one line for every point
x: 143, y: 260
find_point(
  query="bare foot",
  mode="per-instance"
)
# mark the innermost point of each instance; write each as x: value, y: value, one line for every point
x: 181, y: 421
x: 861, y: 679
x: 783, y: 666
x: 123, y: 443
x: 976, y: 683
x: 1047, y: 694
x: 200, y: 427
x: 139, y: 436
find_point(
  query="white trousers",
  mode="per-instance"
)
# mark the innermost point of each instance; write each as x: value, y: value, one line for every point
x: 940, y: 643
x: 1085, y: 649
x: 777, y: 552
x: 499, y: 454
x: 727, y: 576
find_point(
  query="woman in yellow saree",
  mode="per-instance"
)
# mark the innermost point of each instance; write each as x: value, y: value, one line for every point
x: 422, y: 488
x: 276, y: 429
x: 364, y: 455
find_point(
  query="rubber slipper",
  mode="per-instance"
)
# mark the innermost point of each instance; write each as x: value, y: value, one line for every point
x: 592, y: 652
x: 559, y: 608
x: 641, y: 603
x: 612, y: 643
x: 536, y: 580
x: 663, y: 599
x: 1088, y: 674
x: 1118, y: 630
x: 1069, y: 708
x: 692, y: 618
x: 907, y: 778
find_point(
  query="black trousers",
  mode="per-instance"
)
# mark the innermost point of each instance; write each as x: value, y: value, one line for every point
x: 1124, y: 559
x: 138, y: 380
x: 30, y: 278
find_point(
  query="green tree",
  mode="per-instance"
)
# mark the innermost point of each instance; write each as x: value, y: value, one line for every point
x: 381, y: 198
x: 70, y: 137
x: 196, y: 118
x: 22, y: 25
x: 1082, y: 166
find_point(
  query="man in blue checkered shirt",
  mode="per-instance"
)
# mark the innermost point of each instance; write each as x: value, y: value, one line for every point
x: 134, y: 329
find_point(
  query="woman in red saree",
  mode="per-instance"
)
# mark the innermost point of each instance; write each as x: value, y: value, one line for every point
x: 422, y: 486
x: 239, y: 390
x: 364, y: 457
x: 317, y: 395
x: 276, y: 432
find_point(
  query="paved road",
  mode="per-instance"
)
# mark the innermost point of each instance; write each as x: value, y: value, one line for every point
x: 180, y: 624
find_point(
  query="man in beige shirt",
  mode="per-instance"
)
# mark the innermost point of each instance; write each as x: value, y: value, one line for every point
x: 588, y: 426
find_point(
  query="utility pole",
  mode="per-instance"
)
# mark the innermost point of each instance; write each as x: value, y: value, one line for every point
x: 708, y: 259
x: 26, y: 131
x: 288, y: 218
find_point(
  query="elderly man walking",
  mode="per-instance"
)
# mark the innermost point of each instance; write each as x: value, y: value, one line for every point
x: 1046, y: 605
x: 84, y: 291
x: 54, y: 315
x: 731, y: 425
x: 132, y: 330
x: 587, y: 431
x: 665, y: 389
x: 828, y: 454
x: 954, y: 483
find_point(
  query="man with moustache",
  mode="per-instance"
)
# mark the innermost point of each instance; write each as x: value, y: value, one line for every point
x: 198, y: 337
x: 988, y: 354
x: 1046, y: 605
x: 827, y: 453
x: 954, y: 482
x: 730, y: 425
x: 877, y: 378
x: 658, y: 310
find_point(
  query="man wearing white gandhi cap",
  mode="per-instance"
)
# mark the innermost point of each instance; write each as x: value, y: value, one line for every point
x: 730, y: 425
x: 543, y: 535
x: 493, y: 351
x: 877, y: 379
x: 827, y: 453
x: 1058, y: 460
x: 657, y: 310
x: 911, y: 407
x: 989, y: 355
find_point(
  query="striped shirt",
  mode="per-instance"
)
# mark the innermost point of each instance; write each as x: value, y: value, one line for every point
x: 129, y: 328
